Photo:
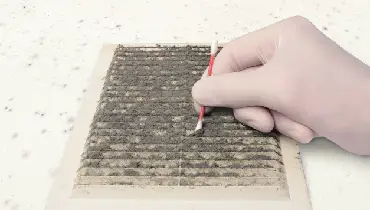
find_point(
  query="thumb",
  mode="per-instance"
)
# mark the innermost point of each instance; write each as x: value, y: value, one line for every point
x: 236, y: 89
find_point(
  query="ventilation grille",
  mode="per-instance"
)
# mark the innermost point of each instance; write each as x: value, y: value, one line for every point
x: 138, y: 135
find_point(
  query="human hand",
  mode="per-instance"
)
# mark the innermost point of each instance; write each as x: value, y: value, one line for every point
x: 292, y: 77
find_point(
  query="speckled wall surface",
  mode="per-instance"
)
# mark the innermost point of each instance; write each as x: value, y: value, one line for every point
x: 47, y: 54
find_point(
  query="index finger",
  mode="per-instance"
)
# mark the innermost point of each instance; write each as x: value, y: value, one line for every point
x: 250, y: 50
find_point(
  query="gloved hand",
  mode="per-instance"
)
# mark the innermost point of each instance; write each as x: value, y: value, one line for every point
x: 292, y: 77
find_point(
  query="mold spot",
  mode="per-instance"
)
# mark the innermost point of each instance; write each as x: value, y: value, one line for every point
x: 15, y: 135
x: 70, y: 120
x: 25, y: 154
x: 6, y: 202
x: 35, y: 56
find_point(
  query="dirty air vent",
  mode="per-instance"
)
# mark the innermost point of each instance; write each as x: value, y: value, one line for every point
x: 133, y: 143
x: 138, y: 135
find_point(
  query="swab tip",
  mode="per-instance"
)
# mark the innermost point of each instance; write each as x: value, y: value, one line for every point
x: 214, y: 47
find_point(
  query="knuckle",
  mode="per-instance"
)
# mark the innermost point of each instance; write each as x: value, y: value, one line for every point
x: 254, y: 118
x: 238, y: 114
x: 299, y: 20
x: 297, y: 26
x: 194, y: 91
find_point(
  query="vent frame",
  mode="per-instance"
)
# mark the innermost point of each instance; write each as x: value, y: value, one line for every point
x: 64, y: 192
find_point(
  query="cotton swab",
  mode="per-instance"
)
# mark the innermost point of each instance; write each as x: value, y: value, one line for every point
x: 199, y: 127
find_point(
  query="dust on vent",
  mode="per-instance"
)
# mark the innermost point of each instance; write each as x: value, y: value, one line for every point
x: 134, y: 143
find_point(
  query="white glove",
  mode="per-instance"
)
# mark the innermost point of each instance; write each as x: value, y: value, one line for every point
x: 292, y: 77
